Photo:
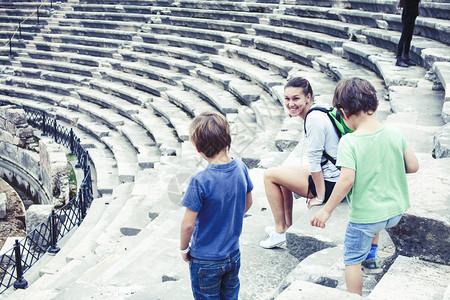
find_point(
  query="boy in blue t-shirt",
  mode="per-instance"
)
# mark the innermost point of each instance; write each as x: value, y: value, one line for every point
x: 374, y: 160
x: 216, y: 201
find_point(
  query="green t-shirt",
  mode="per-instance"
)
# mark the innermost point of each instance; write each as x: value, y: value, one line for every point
x: 380, y: 190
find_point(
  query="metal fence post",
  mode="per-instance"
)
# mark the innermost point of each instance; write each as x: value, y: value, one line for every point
x: 55, y: 128
x: 10, y: 49
x: 38, y: 15
x: 20, y: 31
x: 80, y: 205
x: 54, y: 232
x: 71, y: 142
x: 51, y: 4
x: 20, y: 283
x: 85, y: 164
x: 44, y: 132
x: 84, y: 205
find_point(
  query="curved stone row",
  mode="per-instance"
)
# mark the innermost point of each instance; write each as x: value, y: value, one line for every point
x: 178, y: 72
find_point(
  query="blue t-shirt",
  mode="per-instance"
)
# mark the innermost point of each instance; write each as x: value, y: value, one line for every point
x: 218, y: 194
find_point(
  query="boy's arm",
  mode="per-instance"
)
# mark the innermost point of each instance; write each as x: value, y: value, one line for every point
x: 343, y: 186
x: 248, y: 201
x: 187, y: 227
x: 411, y: 162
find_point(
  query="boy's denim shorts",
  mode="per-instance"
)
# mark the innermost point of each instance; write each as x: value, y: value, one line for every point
x: 216, y: 279
x: 358, y: 239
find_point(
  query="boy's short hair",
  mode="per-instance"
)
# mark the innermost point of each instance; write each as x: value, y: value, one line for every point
x: 354, y: 95
x: 210, y: 133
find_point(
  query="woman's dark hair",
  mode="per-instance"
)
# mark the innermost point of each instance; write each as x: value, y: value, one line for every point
x: 354, y: 95
x: 300, y: 82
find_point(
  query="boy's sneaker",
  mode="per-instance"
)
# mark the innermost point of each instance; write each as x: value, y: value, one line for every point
x: 371, y: 266
x: 275, y: 239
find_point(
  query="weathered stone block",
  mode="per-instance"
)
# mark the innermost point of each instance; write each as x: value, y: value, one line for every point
x: 2, y: 205
x: 54, y: 170
x: 36, y: 214
x: 441, y: 142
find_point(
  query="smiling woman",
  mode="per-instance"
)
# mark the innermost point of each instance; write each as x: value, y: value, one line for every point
x: 315, y: 184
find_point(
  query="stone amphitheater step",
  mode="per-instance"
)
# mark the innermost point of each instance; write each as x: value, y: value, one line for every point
x: 326, y: 267
x: 179, y: 119
x: 107, y: 16
x: 233, y: 16
x: 25, y: 11
x: 423, y: 50
x: 18, y: 19
x: 243, y: 90
x: 100, y: 33
x: 137, y: 136
x: 439, y: 10
x: 311, y: 290
x: 442, y: 71
x: 412, y: 278
x: 221, y: 25
x: 23, y: 36
x: 330, y: 27
x: 62, y: 67
x: 101, y: 157
x: 84, y: 274
x: 98, y: 24
x: 11, y: 28
x: 49, y: 54
x: 247, y: 6
x: 196, y: 33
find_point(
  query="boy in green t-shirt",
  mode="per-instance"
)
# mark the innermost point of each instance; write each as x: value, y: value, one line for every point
x: 374, y: 160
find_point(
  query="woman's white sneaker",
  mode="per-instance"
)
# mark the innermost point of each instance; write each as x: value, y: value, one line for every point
x: 275, y: 239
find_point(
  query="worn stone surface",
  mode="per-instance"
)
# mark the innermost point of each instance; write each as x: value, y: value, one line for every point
x: 14, y: 128
x: 2, y: 205
x: 423, y: 231
x: 410, y: 278
x: 441, y: 142
x: 54, y: 170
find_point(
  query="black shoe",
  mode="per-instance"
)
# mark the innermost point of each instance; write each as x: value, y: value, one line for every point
x: 401, y: 63
x: 409, y: 62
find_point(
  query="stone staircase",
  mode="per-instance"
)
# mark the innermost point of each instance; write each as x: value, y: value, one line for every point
x: 130, y: 76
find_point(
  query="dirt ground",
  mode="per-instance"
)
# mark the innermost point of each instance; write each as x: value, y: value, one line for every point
x: 13, y: 223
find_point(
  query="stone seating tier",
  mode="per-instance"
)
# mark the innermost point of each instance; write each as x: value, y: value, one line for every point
x: 25, y: 12
x: 243, y: 97
x: 100, y: 259
x: 355, y: 15
x: 102, y: 159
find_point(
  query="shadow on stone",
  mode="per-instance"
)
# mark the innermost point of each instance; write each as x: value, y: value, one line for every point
x: 168, y: 278
x: 325, y: 281
x: 129, y: 231
x: 302, y: 246
x: 423, y: 238
x: 152, y: 215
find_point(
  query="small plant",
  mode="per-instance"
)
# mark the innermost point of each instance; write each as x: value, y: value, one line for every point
x: 72, y: 183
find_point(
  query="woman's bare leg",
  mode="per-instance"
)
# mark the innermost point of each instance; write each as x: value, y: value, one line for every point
x: 279, y: 184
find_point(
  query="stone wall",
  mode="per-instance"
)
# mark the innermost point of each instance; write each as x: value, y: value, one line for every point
x: 14, y: 128
x: 54, y: 171
x: 43, y: 170
x: 21, y: 168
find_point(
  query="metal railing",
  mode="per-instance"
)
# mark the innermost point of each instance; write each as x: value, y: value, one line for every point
x: 44, y: 237
x: 19, y: 27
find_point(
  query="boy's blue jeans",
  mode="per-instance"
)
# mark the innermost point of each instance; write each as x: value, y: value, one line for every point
x: 216, y: 279
x: 358, y: 239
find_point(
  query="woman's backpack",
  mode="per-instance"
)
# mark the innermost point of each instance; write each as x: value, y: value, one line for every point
x: 338, y: 124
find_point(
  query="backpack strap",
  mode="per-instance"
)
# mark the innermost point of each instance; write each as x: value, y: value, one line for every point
x: 327, y: 112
